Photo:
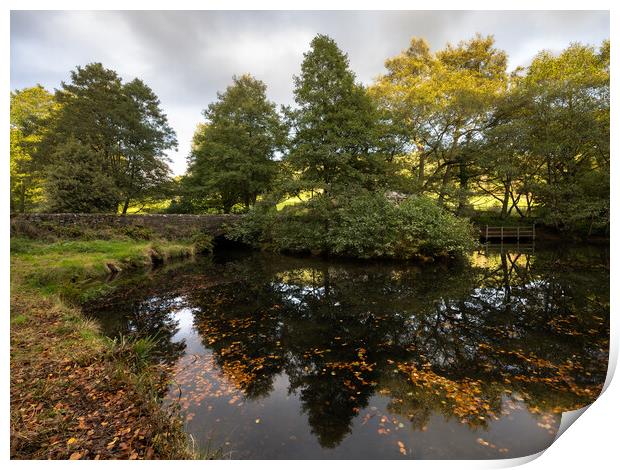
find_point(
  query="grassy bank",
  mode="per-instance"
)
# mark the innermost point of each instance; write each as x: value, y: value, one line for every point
x: 74, y: 393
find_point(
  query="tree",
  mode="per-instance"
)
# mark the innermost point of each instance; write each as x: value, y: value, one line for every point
x: 567, y: 118
x: 122, y: 125
x: 506, y: 167
x: 233, y: 153
x: 31, y: 109
x: 79, y: 183
x: 144, y: 171
x: 442, y: 102
x: 334, y: 143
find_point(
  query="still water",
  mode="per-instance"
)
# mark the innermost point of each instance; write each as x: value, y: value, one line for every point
x: 274, y: 357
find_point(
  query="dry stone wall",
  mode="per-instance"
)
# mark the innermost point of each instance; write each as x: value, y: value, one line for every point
x: 168, y: 226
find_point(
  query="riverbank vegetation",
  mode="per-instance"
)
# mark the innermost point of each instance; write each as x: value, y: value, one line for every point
x: 74, y: 393
x: 454, y: 126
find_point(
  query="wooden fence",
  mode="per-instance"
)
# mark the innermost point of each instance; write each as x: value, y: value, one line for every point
x: 502, y: 233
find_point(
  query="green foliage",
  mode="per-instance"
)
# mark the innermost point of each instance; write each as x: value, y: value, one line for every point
x: 335, y: 141
x: 123, y: 128
x: 232, y: 159
x: 189, y: 203
x: 31, y: 108
x: 364, y: 225
x: 450, y: 124
x: 439, y: 102
x: 567, y: 118
x: 536, y: 142
x: 370, y: 226
x: 203, y: 242
x: 79, y: 182
x: 436, y: 230
x: 137, y: 232
x: 256, y: 226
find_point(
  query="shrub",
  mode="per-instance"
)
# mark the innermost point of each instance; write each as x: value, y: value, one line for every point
x: 256, y: 227
x: 363, y: 225
x: 431, y: 230
x: 136, y: 232
x: 203, y: 242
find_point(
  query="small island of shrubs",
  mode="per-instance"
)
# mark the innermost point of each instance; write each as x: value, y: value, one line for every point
x: 365, y: 225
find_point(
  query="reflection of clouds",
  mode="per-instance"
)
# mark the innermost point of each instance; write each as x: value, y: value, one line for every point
x: 298, y: 294
x: 518, y: 296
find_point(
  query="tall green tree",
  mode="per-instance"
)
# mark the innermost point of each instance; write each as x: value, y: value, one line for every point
x: 144, y: 172
x: 121, y: 124
x: 567, y: 117
x: 31, y: 110
x: 441, y: 101
x: 335, y: 133
x: 233, y: 153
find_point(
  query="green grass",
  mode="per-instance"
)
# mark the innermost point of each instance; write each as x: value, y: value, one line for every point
x: 291, y: 201
x: 74, y: 269
x: 19, y: 320
x: 155, y: 207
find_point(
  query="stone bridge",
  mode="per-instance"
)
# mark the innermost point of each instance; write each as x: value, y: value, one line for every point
x: 168, y: 226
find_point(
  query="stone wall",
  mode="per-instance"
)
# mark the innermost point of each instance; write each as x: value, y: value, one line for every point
x: 169, y: 226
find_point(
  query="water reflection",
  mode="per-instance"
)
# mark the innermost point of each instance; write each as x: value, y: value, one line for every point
x: 286, y: 358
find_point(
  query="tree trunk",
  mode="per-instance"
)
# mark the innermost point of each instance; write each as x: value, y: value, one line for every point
x: 444, y: 184
x: 515, y: 203
x: 22, y: 198
x: 125, y: 206
x: 505, y: 201
x: 463, y: 187
x: 421, y: 168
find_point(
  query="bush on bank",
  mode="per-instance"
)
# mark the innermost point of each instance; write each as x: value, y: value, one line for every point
x: 366, y: 225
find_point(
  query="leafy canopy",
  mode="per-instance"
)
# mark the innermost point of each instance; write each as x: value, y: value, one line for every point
x: 233, y: 153
x: 31, y: 110
x: 334, y: 142
x: 121, y: 124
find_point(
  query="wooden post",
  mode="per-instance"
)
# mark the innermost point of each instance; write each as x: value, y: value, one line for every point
x: 533, y: 231
x: 502, y: 232
x: 518, y: 232
x: 487, y: 234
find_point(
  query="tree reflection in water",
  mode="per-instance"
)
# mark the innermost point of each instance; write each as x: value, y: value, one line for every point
x: 453, y: 341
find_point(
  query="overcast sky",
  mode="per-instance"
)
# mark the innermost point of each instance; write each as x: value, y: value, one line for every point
x: 187, y: 56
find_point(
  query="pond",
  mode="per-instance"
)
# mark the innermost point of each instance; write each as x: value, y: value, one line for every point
x: 274, y: 357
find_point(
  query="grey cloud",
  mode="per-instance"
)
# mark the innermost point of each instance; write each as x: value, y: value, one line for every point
x: 187, y: 56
